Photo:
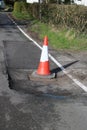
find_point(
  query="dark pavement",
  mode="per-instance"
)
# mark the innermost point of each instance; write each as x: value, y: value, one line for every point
x: 31, y: 104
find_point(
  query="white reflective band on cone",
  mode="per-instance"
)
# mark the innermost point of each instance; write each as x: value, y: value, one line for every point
x: 44, y: 54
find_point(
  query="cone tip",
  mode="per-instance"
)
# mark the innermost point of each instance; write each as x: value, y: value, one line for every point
x: 46, y: 40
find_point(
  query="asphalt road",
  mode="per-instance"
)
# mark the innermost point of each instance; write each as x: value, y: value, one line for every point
x: 32, y: 104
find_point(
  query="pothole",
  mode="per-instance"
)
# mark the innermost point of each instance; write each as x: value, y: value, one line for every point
x: 20, y: 65
x: 20, y: 82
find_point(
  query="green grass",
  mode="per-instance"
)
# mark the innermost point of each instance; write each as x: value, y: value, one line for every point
x: 58, y: 38
x: 21, y: 16
x: 61, y: 38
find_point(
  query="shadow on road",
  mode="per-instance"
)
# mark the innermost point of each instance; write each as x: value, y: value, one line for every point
x: 56, y: 70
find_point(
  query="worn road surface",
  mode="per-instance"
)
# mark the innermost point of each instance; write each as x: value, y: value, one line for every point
x: 27, y: 103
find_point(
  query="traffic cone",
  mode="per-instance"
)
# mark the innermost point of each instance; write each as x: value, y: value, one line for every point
x: 44, y: 67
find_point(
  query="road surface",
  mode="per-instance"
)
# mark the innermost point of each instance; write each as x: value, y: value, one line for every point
x: 32, y: 104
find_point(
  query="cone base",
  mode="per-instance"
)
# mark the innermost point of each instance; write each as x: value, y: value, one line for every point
x: 43, y: 68
x: 46, y: 77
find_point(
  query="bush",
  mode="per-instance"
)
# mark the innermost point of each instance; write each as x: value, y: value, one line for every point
x: 20, y: 7
x: 17, y: 7
x: 33, y: 9
x: 69, y: 16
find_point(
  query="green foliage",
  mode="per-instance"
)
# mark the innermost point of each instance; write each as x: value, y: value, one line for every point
x: 69, y: 16
x: 33, y: 9
x: 20, y: 7
x: 68, y: 23
x: 21, y: 10
x: 65, y: 16
x: 17, y: 7
x: 60, y: 39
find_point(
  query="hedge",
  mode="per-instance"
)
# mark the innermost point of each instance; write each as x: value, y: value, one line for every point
x: 20, y: 7
x: 69, y: 16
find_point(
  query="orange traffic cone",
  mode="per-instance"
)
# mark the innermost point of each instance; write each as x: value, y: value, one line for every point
x: 44, y: 67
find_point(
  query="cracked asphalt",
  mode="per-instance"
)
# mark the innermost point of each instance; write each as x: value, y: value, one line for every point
x: 32, y: 104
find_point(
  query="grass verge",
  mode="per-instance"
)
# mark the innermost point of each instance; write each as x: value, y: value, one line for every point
x: 60, y: 38
x: 64, y: 39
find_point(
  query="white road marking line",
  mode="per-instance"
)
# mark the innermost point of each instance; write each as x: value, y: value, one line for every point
x: 70, y: 76
x: 53, y: 59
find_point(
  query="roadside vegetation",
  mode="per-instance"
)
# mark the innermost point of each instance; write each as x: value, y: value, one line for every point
x: 65, y: 25
x: 61, y: 38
